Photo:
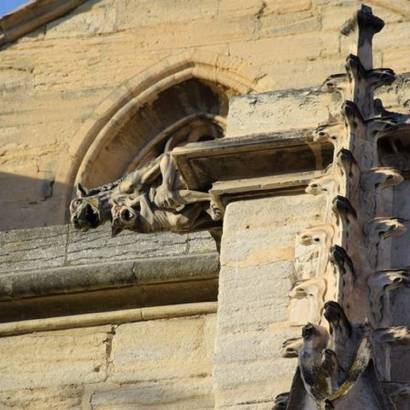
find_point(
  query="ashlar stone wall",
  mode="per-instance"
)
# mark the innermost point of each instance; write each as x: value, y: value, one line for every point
x: 158, y: 364
x: 257, y: 274
x: 52, y: 80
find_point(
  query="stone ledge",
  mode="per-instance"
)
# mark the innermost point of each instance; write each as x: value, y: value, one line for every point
x: 104, y: 318
x: 57, y: 271
x: 83, y: 278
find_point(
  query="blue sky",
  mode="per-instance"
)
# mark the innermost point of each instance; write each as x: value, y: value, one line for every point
x: 8, y: 5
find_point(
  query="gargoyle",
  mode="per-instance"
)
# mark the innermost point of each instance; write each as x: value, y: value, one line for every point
x: 330, y: 366
x: 151, y: 199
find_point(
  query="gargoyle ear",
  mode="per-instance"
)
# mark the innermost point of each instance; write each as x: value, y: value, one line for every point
x: 80, y: 191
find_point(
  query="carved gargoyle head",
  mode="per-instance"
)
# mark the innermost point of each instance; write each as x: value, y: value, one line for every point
x: 124, y: 216
x: 89, y: 209
x: 84, y: 210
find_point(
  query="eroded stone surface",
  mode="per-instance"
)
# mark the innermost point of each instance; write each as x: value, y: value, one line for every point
x: 50, y: 359
x: 163, y: 349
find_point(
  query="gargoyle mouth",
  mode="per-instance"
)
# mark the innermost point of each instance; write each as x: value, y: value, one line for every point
x: 92, y: 216
x: 89, y: 217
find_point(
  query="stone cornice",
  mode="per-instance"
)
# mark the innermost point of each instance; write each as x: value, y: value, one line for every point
x: 32, y: 16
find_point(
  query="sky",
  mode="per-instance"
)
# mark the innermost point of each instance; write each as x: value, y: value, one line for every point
x: 8, y: 5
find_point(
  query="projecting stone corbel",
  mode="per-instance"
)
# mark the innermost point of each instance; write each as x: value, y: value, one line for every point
x: 365, y: 25
x: 364, y: 82
x: 319, y: 234
x: 341, y: 260
x: 365, y: 129
x: 377, y: 230
x: 349, y: 169
x: 380, y: 285
x: 368, y: 80
x: 354, y: 121
x: 306, y: 300
x: 381, y: 112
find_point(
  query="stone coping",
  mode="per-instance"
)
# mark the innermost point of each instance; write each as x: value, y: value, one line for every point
x: 31, y: 16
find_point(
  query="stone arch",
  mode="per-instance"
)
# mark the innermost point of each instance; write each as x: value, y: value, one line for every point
x: 222, y: 76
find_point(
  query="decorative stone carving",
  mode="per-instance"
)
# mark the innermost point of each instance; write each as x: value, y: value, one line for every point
x: 344, y: 210
x: 151, y: 199
x: 306, y: 300
x: 380, y: 286
x: 399, y: 335
x: 371, y: 154
x: 322, y: 185
x: 347, y: 163
x: 380, y: 178
x: 329, y: 366
x: 330, y: 132
x: 377, y: 230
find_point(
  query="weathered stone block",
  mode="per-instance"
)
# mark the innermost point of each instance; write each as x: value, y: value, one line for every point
x: 51, y: 359
x: 64, y: 398
x: 163, y: 349
x: 277, y: 111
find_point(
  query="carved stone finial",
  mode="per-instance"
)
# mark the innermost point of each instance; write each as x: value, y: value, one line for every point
x: 365, y: 24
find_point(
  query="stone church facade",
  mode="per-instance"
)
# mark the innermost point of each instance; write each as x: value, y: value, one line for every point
x: 258, y: 245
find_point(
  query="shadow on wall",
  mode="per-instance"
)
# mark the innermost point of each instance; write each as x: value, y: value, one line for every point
x: 29, y: 202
